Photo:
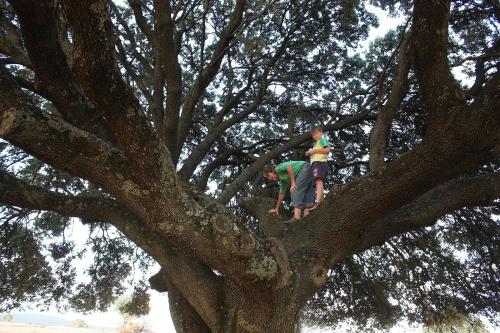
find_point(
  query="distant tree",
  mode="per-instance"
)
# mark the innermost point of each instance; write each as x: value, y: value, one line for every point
x: 456, y: 323
x: 134, y: 305
x: 79, y: 323
x: 7, y: 317
x: 151, y: 123
x: 133, y: 328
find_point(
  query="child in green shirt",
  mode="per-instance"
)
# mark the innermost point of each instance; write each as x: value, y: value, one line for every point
x: 318, y: 155
x: 296, y: 175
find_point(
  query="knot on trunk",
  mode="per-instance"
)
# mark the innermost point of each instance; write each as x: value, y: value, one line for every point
x: 244, y: 244
x: 7, y: 121
x: 279, y: 253
x: 222, y: 225
x: 319, y: 275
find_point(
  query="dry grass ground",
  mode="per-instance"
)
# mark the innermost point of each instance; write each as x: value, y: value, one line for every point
x: 26, y: 328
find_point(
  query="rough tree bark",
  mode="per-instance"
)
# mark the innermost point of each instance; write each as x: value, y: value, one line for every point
x: 220, y: 276
x: 385, y: 113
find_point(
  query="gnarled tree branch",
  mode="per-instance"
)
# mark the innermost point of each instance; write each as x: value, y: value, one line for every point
x: 424, y: 211
x: 385, y: 114
x: 217, y: 131
x: 45, y: 136
x: 201, y: 292
x: 94, y: 51
x: 53, y: 75
x: 208, y: 74
x: 141, y: 21
x: 441, y: 93
x: 11, y: 43
x: 166, y: 52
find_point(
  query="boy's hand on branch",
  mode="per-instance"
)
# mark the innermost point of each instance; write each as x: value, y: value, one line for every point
x: 273, y: 211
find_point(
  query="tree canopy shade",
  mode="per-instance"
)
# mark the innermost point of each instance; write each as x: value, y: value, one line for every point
x: 151, y: 122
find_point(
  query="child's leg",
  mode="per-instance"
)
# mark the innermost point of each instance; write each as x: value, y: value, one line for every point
x: 319, y: 190
x: 309, y: 197
x: 297, y: 213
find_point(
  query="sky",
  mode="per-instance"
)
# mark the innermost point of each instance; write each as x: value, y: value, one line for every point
x: 159, y: 318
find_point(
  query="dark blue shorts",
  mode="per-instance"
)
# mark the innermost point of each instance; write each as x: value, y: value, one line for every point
x: 320, y: 170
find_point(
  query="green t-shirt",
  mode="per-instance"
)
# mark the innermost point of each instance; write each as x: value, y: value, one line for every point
x: 281, y: 169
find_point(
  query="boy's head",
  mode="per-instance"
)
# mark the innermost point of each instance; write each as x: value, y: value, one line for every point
x: 270, y: 174
x: 316, y: 133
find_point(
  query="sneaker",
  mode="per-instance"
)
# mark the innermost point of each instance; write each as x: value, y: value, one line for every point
x: 314, y: 206
x: 292, y: 220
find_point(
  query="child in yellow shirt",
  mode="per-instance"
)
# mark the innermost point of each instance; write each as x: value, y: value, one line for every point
x: 318, y: 156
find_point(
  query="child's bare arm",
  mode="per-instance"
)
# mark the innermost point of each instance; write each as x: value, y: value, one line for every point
x: 289, y: 169
x: 276, y: 209
x: 325, y: 150
x: 281, y: 197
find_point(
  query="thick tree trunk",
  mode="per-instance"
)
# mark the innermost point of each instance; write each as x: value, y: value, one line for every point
x: 242, y: 310
x: 257, y: 312
x: 184, y: 316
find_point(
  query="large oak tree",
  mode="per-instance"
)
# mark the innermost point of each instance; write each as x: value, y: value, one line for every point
x: 152, y: 121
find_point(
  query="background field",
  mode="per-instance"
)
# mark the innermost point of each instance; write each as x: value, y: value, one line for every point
x: 27, y: 328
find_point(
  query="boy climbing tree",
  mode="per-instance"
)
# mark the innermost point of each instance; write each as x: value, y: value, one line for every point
x: 318, y: 155
x: 298, y: 176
